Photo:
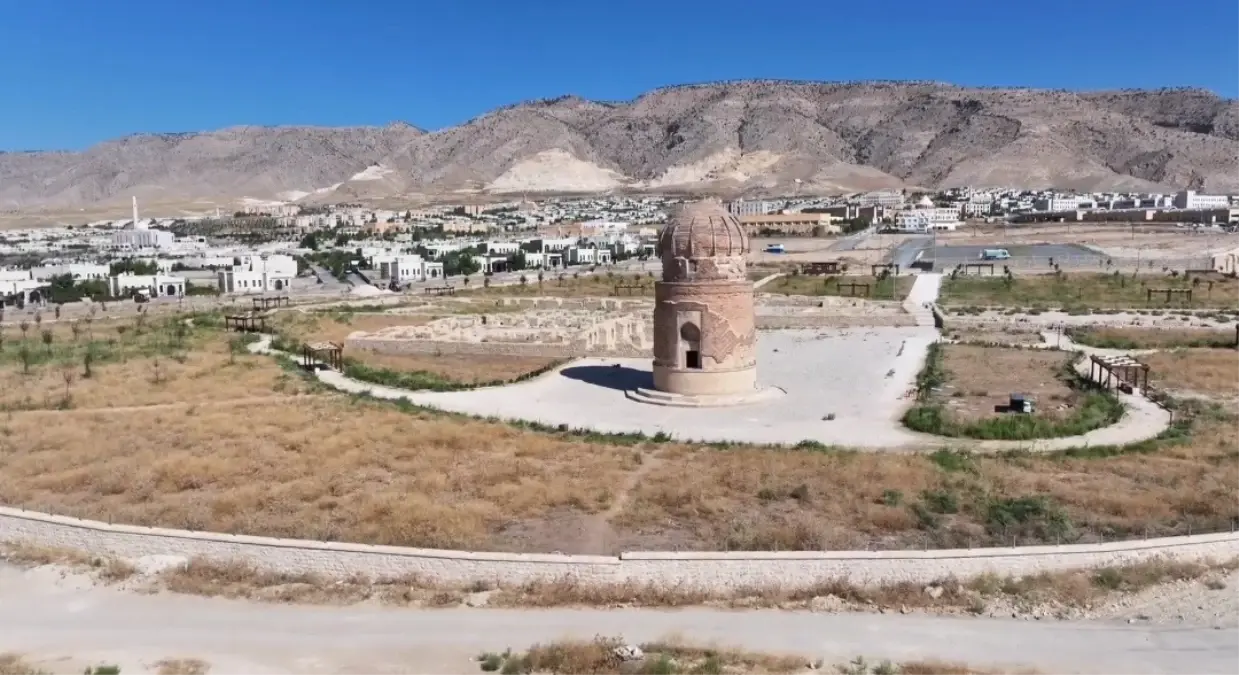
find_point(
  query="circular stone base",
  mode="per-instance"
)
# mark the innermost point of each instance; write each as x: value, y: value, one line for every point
x: 655, y: 397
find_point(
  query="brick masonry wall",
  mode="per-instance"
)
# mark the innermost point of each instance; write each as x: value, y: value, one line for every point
x: 719, y: 571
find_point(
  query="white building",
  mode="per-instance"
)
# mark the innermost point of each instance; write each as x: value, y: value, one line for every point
x: 583, y: 255
x: 138, y: 239
x: 401, y: 268
x: 1057, y: 203
x: 502, y: 247
x: 77, y: 271
x: 20, y: 288
x: 156, y: 285
x: 881, y: 198
x: 264, y: 273
x: 972, y: 209
x: 926, y: 217
x: 745, y: 207
x: 1189, y: 199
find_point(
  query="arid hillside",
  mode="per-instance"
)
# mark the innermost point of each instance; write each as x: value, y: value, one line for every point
x: 747, y: 136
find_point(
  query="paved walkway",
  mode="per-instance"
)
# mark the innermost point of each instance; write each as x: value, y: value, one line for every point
x: 48, y: 618
x: 812, y: 366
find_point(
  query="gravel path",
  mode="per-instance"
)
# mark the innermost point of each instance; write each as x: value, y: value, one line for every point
x: 45, y: 618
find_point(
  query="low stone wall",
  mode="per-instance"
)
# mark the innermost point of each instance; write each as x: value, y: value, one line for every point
x: 716, y: 571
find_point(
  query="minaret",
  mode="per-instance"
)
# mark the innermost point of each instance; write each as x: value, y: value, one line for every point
x: 136, y: 225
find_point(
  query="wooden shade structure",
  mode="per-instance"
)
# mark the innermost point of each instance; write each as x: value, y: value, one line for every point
x: 269, y: 302
x: 1168, y: 294
x: 246, y: 323
x: 1112, y: 371
x: 316, y: 354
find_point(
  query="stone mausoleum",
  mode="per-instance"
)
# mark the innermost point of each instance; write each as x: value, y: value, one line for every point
x: 705, y: 335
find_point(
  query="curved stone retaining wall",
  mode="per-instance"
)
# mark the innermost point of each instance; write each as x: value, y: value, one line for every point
x: 716, y: 571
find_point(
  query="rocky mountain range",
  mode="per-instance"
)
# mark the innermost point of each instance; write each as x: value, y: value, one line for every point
x: 748, y: 137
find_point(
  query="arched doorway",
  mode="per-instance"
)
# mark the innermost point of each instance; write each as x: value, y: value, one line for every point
x: 690, y: 336
x: 279, y: 284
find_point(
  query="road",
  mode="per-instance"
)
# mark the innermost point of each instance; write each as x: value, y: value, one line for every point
x: 46, y: 618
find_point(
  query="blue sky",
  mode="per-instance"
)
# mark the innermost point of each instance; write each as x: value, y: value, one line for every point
x: 75, y: 72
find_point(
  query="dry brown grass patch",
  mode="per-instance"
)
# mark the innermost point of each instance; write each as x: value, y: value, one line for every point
x: 15, y: 664
x: 602, y: 655
x: 330, y: 469
x: 983, y: 377
x: 210, y: 372
x: 182, y: 667
x: 1213, y: 372
x: 462, y: 368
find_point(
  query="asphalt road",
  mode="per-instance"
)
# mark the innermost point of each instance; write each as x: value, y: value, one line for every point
x: 47, y: 619
x: 949, y: 256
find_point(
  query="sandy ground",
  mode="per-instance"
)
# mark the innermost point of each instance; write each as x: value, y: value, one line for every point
x: 63, y: 622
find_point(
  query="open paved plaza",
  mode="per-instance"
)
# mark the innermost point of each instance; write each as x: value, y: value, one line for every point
x: 861, y: 376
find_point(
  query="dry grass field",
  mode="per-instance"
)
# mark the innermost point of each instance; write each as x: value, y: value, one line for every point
x: 1208, y: 372
x: 890, y: 288
x: 1082, y: 291
x: 326, y: 466
x: 467, y: 369
x: 125, y: 363
x: 675, y: 656
x: 328, y: 469
x: 980, y: 378
x: 1005, y: 335
x: 964, y: 391
x: 1126, y: 337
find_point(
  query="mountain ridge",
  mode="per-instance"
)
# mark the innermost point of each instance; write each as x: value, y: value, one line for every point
x: 735, y: 137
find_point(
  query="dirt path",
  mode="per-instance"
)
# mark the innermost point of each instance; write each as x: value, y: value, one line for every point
x: 47, y: 619
x: 599, y: 536
x: 121, y: 409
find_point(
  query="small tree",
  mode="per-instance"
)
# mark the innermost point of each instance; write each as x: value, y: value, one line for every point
x: 466, y: 281
x: 88, y: 360
x: 524, y: 279
x: 58, y: 311
x: 38, y: 319
x: 75, y: 327
x: 48, y: 337
x: 486, y: 282
x: 26, y: 356
x: 25, y: 328
x: 157, y: 374
x: 540, y: 276
x: 69, y: 375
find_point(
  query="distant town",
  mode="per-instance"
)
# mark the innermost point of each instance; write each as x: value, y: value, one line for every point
x: 277, y: 247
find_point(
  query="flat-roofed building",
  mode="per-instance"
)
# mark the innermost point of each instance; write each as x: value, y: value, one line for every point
x: 815, y: 224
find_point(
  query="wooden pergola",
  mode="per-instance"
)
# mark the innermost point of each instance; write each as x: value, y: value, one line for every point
x: 1111, y: 371
x: 852, y: 286
x: 821, y: 268
x: 893, y: 268
x: 969, y: 267
x: 440, y: 290
x: 269, y: 302
x: 316, y: 354
x: 1168, y: 293
x: 628, y: 289
x: 246, y: 323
